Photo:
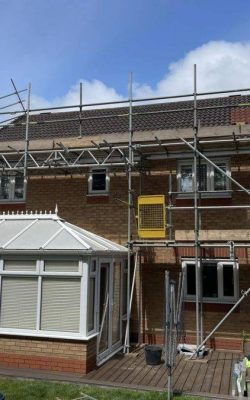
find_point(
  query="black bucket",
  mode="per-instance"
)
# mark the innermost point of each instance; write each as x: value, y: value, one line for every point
x: 153, y: 355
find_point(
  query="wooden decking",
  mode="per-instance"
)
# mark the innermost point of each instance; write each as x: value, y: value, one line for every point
x: 209, y: 376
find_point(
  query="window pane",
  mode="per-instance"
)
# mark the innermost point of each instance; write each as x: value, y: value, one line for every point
x: 19, y: 185
x: 99, y: 180
x: 19, y: 303
x: 191, y: 279
x: 202, y: 176
x: 61, y: 266
x: 5, y: 187
x: 210, y: 280
x: 125, y: 288
x: 60, y: 305
x: 104, y: 307
x: 228, y: 280
x: 11, y: 265
x: 220, y: 181
x: 116, y: 312
x: 91, y: 305
x: 186, y: 184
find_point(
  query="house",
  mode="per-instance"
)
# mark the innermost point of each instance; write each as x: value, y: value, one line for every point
x: 85, y: 173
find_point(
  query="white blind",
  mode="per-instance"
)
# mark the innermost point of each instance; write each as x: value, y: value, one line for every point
x: 18, y: 303
x: 16, y: 265
x: 60, y: 305
x: 61, y: 266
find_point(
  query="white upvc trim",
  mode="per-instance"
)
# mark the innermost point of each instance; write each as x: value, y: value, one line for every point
x: 52, y: 237
x: 39, y: 304
x: 61, y: 274
x: 74, y: 234
x: 45, y: 334
x: 39, y: 268
x: 84, y: 298
x: 93, y: 274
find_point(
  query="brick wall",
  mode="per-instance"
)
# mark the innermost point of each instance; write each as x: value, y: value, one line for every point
x: 107, y: 216
x: 48, y: 354
x: 229, y: 335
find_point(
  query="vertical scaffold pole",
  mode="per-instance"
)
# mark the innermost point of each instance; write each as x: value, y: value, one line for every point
x: 80, y: 112
x: 25, y: 173
x: 170, y: 203
x: 130, y: 203
x: 196, y: 215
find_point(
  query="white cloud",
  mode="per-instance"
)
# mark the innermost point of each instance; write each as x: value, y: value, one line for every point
x: 220, y: 66
x: 94, y: 91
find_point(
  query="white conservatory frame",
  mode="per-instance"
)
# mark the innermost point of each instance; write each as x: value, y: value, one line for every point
x: 54, y: 241
x: 84, y: 274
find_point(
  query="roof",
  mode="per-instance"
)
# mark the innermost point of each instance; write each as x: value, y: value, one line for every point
x: 48, y: 232
x: 220, y: 111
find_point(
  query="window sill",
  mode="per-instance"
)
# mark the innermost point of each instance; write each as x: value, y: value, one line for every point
x: 212, y: 301
x: 97, y: 194
x: 214, y: 195
x: 8, y: 201
x: 52, y: 335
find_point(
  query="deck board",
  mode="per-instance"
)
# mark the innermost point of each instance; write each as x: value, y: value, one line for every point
x: 198, y: 383
x: 184, y: 375
x: 129, y: 369
x: 218, y: 373
x: 211, y: 375
x: 227, y: 373
x: 188, y: 386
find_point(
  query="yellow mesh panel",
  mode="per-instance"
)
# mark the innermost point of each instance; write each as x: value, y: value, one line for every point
x: 151, y: 216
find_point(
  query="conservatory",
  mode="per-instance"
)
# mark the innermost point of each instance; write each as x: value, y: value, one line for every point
x: 63, y: 294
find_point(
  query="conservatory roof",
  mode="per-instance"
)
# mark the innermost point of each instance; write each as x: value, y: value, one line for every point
x: 48, y: 232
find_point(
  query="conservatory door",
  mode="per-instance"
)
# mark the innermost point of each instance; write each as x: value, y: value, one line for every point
x: 109, y: 340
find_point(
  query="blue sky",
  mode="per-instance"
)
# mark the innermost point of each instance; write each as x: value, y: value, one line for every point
x: 56, y: 43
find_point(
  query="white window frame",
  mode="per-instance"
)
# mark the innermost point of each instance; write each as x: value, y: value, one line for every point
x: 219, y: 266
x: 210, y: 178
x: 93, y: 274
x: 124, y: 295
x: 40, y: 274
x: 90, y: 181
x: 11, y: 190
x: 84, y: 273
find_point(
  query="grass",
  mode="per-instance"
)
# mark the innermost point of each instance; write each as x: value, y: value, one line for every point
x: 17, y: 389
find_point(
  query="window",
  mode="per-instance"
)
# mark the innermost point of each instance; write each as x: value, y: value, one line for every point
x: 60, y: 305
x: 125, y: 289
x: 98, y: 182
x: 92, y: 297
x: 209, y: 178
x: 41, y: 296
x: 218, y: 280
x: 11, y: 187
x: 18, y: 302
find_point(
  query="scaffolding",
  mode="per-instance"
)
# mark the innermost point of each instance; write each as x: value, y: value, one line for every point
x: 130, y: 155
